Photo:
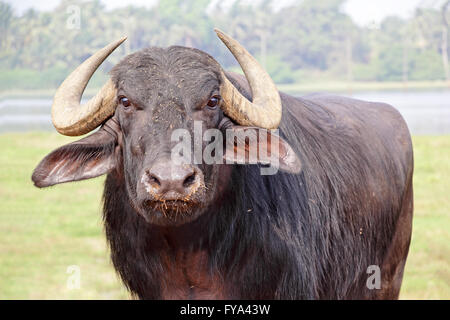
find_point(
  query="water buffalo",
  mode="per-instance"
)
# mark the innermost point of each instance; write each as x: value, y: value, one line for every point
x: 338, y: 210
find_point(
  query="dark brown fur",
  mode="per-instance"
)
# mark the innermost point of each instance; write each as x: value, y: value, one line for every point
x: 306, y: 236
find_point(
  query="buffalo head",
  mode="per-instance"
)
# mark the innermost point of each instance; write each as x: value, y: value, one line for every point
x: 150, y: 95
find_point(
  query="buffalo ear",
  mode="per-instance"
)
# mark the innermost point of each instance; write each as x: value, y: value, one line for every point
x: 252, y: 145
x: 87, y: 158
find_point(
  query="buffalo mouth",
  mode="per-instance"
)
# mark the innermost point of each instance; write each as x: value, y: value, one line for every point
x: 174, y: 209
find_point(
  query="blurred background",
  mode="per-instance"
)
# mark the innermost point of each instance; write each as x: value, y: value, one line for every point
x: 391, y: 51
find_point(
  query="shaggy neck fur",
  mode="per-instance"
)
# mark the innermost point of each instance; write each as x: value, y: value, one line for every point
x: 283, y: 236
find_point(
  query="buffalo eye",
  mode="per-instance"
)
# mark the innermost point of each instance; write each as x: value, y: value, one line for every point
x: 213, y: 102
x: 125, y: 102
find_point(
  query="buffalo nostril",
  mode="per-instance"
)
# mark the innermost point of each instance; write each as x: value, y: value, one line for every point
x: 189, y: 180
x: 154, y: 181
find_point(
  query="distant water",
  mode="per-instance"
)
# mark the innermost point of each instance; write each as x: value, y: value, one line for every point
x: 25, y: 115
x: 426, y: 112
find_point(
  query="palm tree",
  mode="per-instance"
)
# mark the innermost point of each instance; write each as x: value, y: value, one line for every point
x: 444, y: 45
x: 6, y: 15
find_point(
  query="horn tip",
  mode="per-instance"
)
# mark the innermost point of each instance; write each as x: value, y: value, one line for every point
x: 226, y: 39
x: 219, y: 32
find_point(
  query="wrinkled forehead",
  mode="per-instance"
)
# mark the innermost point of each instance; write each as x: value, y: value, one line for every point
x: 171, y: 73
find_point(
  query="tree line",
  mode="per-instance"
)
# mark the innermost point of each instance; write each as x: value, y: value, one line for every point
x: 306, y: 41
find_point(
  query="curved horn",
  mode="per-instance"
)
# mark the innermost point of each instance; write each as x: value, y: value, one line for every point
x: 265, y: 110
x: 68, y: 116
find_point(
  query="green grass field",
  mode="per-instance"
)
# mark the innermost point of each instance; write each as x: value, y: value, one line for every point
x: 42, y: 232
